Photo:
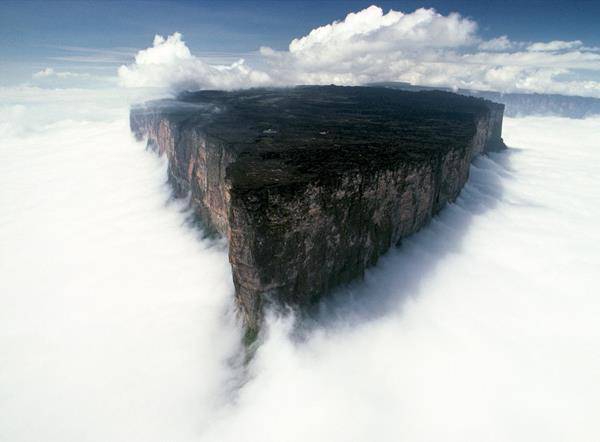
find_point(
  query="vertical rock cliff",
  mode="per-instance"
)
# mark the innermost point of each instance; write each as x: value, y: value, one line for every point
x: 311, y: 185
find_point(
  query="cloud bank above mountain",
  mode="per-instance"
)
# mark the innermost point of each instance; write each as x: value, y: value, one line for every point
x: 169, y: 63
x: 422, y: 47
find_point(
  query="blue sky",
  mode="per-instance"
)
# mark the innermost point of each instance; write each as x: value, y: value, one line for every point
x: 30, y: 29
x: 243, y: 25
x: 94, y: 36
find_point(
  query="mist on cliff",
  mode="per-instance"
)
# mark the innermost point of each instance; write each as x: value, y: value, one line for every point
x: 116, y: 316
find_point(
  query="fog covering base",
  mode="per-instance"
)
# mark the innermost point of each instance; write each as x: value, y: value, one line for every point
x: 116, y: 317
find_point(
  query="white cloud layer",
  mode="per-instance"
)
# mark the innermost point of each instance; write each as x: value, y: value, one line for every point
x: 422, y: 47
x: 555, y: 45
x: 115, y: 324
x: 105, y: 291
x: 51, y: 78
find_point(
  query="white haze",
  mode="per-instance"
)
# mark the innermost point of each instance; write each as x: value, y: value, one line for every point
x: 116, y: 323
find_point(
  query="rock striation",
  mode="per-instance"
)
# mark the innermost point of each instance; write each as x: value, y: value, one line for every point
x: 312, y: 184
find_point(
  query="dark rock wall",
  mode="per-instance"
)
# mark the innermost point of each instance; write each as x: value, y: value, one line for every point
x: 197, y: 164
x: 293, y: 245
x: 294, y: 242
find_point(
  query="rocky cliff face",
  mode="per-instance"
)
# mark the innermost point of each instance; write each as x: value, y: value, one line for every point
x: 311, y: 185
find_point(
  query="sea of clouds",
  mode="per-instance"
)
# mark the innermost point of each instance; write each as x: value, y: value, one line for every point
x: 116, y: 317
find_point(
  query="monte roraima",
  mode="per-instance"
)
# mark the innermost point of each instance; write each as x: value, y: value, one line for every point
x: 312, y: 184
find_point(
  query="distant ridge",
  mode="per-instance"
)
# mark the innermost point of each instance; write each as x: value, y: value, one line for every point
x: 518, y: 104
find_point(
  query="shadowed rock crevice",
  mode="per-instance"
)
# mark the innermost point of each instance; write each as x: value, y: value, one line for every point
x: 311, y: 185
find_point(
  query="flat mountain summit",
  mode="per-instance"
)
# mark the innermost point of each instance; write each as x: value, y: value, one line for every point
x: 312, y: 184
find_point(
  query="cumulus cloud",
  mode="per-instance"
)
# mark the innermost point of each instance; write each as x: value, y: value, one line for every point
x: 501, y: 43
x: 427, y: 48
x: 555, y: 45
x: 372, y: 29
x: 50, y: 72
x: 422, y: 47
x: 369, y: 45
x: 169, y: 63
x: 47, y: 72
x: 51, y: 78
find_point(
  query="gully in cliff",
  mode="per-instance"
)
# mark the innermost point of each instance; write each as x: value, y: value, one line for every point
x: 312, y: 184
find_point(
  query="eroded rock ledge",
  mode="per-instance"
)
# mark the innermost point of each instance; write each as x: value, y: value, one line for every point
x: 311, y: 185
